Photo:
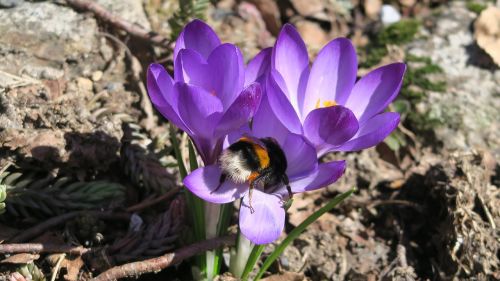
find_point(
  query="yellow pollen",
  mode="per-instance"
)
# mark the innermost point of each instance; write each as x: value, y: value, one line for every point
x: 326, y: 103
x: 329, y: 103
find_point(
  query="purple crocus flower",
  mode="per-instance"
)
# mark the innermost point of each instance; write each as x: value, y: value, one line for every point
x: 267, y: 221
x: 206, y: 98
x: 325, y: 103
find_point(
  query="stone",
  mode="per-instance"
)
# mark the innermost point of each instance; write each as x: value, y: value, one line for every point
x: 314, y: 36
x: 468, y: 110
x: 487, y: 32
x: 39, y: 38
x: 9, y: 3
x: 308, y: 7
x: 130, y: 10
x: 97, y: 75
x: 389, y: 14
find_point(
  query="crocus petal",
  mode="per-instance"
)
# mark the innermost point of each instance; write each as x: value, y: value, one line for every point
x: 199, y: 109
x: 280, y: 104
x: 267, y: 222
x: 242, y: 109
x: 266, y: 124
x: 222, y: 74
x: 376, y: 90
x: 332, y: 75
x: 301, y: 156
x: 329, y: 127
x: 204, y: 183
x: 258, y: 66
x: 191, y: 67
x: 162, y: 94
x: 290, y: 59
x: 325, y: 174
x: 227, y: 73
x: 372, y: 132
x: 197, y: 36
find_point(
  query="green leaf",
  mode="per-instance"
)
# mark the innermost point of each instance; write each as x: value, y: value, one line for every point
x: 177, y: 152
x: 252, y: 260
x: 299, y: 229
x: 392, y: 142
x: 193, y: 163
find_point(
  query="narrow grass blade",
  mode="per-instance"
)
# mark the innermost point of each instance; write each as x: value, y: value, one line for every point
x: 252, y: 260
x: 298, y: 230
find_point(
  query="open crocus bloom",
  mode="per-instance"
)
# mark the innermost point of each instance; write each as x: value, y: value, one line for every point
x: 267, y: 221
x: 325, y: 103
x: 206, y: 99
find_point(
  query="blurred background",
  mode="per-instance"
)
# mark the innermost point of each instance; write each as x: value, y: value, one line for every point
x: 78, y: 134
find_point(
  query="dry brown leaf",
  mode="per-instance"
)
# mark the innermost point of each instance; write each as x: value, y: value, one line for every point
x: 286, y: 276
x: 21, y: 258
x: 72, y: 265
x: 487, y: 32
x: 372, y: 8
x: 270, y: 14
x: 16, y: 276
x: 407, y: 3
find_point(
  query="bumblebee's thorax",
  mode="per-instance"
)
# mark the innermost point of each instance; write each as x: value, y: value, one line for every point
x: 247, y: 159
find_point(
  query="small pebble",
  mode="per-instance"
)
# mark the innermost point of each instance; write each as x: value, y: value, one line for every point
x: 6, y: 4
x: 97, y: 75
x: 389, y: 14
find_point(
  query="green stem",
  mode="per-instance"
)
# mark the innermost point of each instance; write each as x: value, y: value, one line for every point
x: 212, y: 214
x: 252, y: 260
x: 240, y: 259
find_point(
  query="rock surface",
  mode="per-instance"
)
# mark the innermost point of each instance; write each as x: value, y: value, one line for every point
x: 470, y: 106
x: 52, y: 110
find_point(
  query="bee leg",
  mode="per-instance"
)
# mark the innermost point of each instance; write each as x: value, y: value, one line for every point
x: 288, y: 188
x: 221, y: 181
x: 251, y: 181
x: 288, y: 203
x: 252, y: 210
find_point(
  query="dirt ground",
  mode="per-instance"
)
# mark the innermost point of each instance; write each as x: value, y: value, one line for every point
x: 79, y: 136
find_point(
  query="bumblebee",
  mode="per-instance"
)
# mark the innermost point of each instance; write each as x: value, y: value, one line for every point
x: 260, y: 162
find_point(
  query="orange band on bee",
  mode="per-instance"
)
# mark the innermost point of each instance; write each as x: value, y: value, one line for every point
x: 252, y: 177
x: 259, y: 151
x: 261, y: 155
x: 245, y: 139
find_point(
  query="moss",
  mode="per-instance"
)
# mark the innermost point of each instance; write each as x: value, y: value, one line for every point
x: 416, y: 84
x: 417, y: 78
x: 399, y: 33
x: 370, y: 56
x: 475, y: 7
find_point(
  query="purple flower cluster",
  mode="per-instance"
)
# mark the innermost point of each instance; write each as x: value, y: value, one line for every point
x: 310, y: 111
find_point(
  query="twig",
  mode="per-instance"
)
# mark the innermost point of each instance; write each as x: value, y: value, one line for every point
x: 396, y: 202
x: 57, y: 267
x: 105, y: 15
x: 148, y: 203
x: 156, y: 264
x: 44, y: 226
x: 41, y: 248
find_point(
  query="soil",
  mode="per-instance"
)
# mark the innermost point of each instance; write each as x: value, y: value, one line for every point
x: 77, y: 132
